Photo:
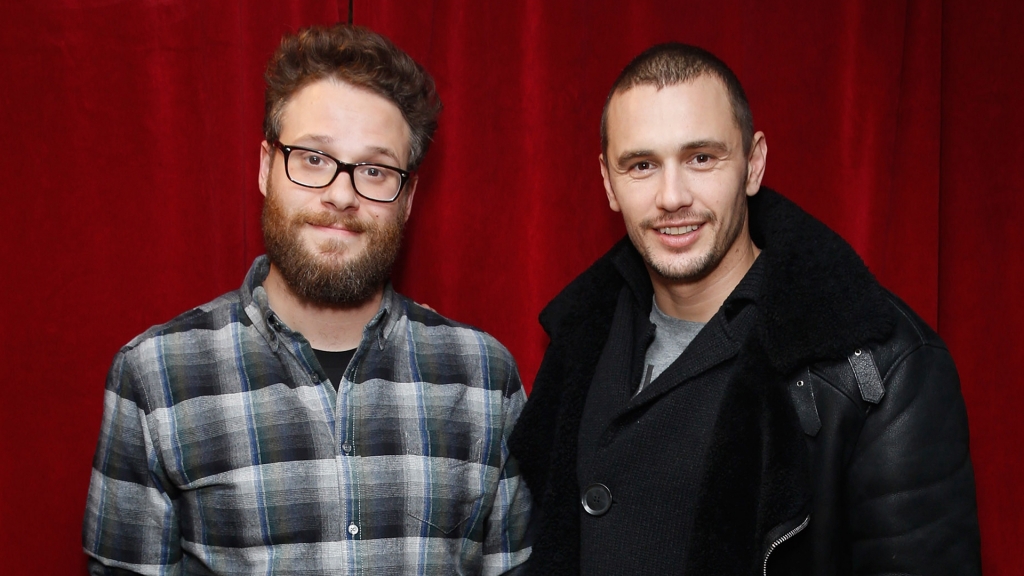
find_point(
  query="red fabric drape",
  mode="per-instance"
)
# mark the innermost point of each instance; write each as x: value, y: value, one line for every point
x: 131, y: 134
x: 981, y: 270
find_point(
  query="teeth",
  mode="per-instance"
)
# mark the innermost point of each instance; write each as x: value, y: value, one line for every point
x: 677, y: 230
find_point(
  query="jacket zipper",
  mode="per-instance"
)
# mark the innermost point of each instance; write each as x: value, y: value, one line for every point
x: 784, y: 537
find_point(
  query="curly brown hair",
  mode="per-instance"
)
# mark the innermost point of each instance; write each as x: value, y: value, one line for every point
x: 359, y: 57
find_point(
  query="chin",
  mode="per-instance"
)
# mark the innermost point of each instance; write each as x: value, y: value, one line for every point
x: 333, y: 250
x: 690, y: 268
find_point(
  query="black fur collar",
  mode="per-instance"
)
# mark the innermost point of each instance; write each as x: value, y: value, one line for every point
x: 818, y: 300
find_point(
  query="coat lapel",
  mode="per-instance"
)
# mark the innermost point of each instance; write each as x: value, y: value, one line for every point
x: 817, y: 300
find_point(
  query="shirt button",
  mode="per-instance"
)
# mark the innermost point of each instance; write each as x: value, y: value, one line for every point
x: 314, y: 378
x: 597, y: 499
x: 347, y: 448
x: 353, y: 529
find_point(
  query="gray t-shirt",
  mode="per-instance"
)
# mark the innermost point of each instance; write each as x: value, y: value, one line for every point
x: 671, y: 337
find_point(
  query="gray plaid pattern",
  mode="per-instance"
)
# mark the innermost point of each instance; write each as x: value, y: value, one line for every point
x: 224, y: 449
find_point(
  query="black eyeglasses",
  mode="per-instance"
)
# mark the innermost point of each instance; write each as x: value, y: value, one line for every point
x: 315, y: 169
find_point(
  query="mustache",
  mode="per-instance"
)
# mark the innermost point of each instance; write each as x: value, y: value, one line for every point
x: 326, y: 219
x: 660, y: 221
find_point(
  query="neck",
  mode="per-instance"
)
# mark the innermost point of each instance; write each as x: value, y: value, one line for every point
x: 699, y: 300
x: 331, y: 328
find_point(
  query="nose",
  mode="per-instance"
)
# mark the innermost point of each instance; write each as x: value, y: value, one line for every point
x: 341, y: 194
x: 674, y: 192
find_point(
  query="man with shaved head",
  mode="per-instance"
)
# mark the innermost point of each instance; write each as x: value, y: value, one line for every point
x: 729, y: 390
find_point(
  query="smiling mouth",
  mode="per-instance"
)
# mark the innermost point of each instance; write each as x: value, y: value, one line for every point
x: 678, y: 230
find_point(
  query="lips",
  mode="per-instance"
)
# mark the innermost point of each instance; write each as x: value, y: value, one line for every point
x: 677, y: 234
x: 342, y: 223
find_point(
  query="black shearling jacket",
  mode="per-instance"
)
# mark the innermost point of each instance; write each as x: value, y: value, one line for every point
x: 840, y: 446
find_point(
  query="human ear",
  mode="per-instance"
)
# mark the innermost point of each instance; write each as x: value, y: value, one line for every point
x: 756, y: 163
x: 266, y: 160
x: 613, y: 202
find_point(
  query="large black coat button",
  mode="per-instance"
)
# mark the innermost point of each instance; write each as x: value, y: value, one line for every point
x: 597, y: 499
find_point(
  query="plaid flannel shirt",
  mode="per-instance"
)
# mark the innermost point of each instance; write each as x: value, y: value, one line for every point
x: 225, y: 449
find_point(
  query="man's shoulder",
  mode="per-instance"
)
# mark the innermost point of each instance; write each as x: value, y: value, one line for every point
x: 193, y: 354
x: 205, y: 319
x: 910, y: 334
x: 912, y: 355
x: 211, y: 317
x: 432, y: 334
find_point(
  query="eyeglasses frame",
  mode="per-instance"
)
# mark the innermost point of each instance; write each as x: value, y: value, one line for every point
x: 342, y: 167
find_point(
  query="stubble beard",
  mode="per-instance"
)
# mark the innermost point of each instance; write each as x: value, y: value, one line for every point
x: 322, y: 277
x: 681, y: 270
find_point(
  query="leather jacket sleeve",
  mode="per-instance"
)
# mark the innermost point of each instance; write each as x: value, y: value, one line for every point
x: 905, y: 483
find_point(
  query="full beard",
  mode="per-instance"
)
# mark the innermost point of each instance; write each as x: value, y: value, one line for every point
x: 321, y: 277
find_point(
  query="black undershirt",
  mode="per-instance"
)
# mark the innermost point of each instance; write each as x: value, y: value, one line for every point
x: 334, y: 363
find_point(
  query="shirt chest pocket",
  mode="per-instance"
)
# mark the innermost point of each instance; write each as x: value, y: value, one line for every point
x: 446, y: 496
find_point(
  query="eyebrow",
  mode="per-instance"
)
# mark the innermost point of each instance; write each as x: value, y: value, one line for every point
x: 323, y: 139
x: 626, y: 157
x: 714, y: 145
x: 386, y: 152
x: 318, y: 138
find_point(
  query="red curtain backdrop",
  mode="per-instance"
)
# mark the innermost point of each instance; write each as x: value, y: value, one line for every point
x: 131, y: 132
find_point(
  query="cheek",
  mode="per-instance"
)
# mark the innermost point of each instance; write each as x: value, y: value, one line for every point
x: 632, y: 217
x: 289, y: 205
x: 629, y: 201
x: 734, y: 209
x: 380, y: 215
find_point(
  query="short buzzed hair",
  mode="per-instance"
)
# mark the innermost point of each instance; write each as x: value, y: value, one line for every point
x: 674, y: 63
x: 359, y: 57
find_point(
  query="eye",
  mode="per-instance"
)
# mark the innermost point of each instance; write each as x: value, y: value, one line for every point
x: 370, y: 172
x: 703, y: 160
x: 314, y: 160
x: 641, y: 169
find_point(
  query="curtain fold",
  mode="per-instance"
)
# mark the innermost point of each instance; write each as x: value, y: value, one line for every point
x: 981, y: 269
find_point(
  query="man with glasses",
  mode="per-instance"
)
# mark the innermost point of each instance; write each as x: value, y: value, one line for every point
x: 315, y: 421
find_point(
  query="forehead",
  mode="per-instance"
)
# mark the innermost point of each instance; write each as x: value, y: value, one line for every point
x: 347, y: 116
x: 698, y: 110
